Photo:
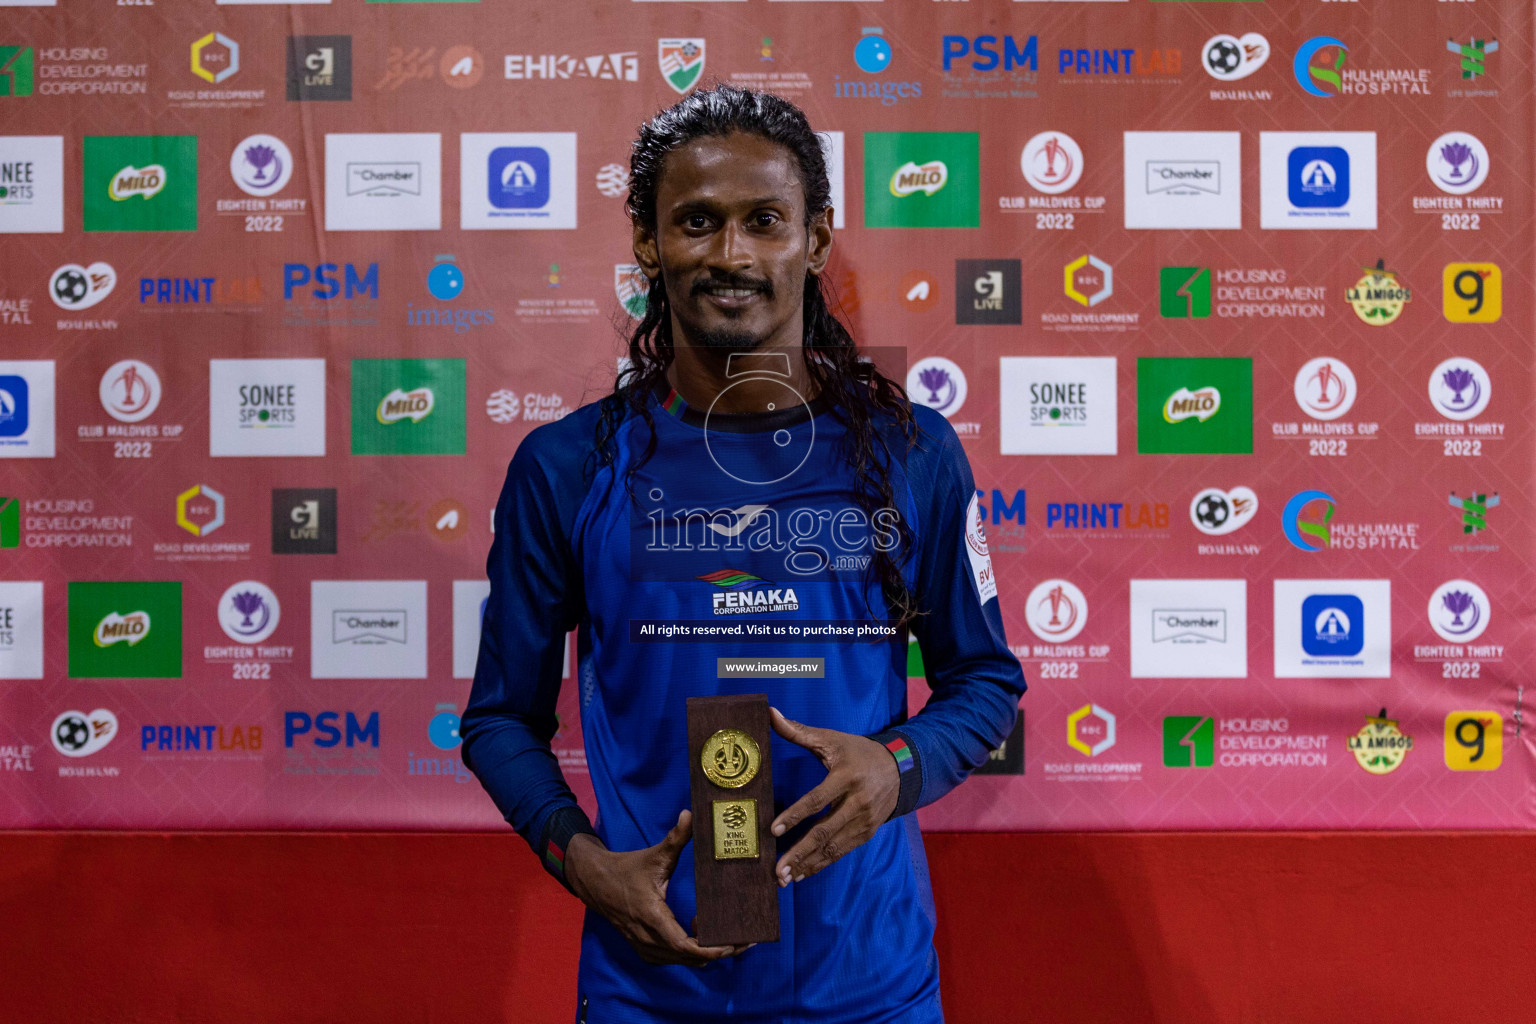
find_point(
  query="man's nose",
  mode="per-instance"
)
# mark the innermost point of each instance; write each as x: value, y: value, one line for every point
x: 733, y: 249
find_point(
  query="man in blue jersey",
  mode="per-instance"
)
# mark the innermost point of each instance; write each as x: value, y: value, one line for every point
x: 749, y: 467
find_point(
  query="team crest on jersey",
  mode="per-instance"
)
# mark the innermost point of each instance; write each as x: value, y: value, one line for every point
x: 741, y: 593
x: 682, y: 62
x: 976, y: 550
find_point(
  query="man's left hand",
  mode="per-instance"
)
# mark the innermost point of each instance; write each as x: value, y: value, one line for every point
x: 861, y: 788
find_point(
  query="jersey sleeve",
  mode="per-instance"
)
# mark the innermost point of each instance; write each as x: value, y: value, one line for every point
x: 975, y: 679
x: 536, y: 598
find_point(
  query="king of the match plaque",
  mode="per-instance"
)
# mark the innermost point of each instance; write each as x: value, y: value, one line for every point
x: 732, y: 793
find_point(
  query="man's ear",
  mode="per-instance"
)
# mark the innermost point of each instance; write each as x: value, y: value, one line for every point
x: 820, y: 247
x: 646, y: 255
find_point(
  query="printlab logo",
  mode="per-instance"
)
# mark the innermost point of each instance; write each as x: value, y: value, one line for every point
x: 988, y: 292
x: 78, y: 734
x: 1474, y: 511
x: 1474, y: 741
x: 304, y: 521
x: 1325, y: 388
x: 1090, y: 730
x: 1459, y: 611
x: 1216, y: 512
x: 1231, y: 58
x: 1089, y: 281
x: 1379, y: 297
x: 1380, y: 747
x: 922, y: 180
x: 1472, y: 293
x: 1474, y: 56
x: 1460, y: 389
x: 261, y: 165
x: 1308, y: 534
x: 319, y: 67
x: 1458, y: 163
x: 937, y: 383
x: 1051, y: 162
x: 125, y: 630
x: 681, y: 62
x: 140, y: 183
x: 1184, y: 293
x: 1056, y: 611
x: 1189, y: 741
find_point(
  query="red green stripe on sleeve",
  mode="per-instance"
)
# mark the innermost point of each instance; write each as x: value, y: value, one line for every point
x: 902, y: 752
x: 909, y: 769
x: 674, y: 403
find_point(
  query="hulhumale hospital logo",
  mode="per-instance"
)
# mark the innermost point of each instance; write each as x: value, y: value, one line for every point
x: 1319, y: 64
x: 1308, y: 535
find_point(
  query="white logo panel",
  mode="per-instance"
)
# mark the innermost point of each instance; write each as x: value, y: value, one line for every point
x: 1189, y: 629
x: 266, y: 407
x: 368, y: 629
x: 383, y: 182
x: 1058, y: 405
x: 1183, y: 180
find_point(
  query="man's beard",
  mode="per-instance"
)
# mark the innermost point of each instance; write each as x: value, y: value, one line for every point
x: 727, y: 340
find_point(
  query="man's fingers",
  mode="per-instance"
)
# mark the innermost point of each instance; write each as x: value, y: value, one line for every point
x: 802, y: 735
x: 671, y: 846
x: 811, y: 803
x: 824, y: 843
x: 684, y: 946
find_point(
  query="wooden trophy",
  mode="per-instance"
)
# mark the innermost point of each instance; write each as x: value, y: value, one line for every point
x: 733, y: 845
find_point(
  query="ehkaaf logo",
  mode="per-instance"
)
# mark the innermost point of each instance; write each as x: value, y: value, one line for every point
x: 322, y: 729
x: 741, y: 593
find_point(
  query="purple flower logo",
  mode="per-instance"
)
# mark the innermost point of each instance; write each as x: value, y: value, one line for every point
x: 250, y: 606
x: 1459, y: 380
x: 1459, y: 610
x: 1462, y: 162
x: 936, y: 379
x: 264, y: 161
x: 248, y: 612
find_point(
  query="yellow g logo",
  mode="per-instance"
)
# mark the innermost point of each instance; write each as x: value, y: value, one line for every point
x: 1474, y: 741
x: 1474, y: 293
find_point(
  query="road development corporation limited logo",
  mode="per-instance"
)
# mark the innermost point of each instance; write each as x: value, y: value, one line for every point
x: 1459, y: 611
x: 1091, y: 730
x: 741, y: 593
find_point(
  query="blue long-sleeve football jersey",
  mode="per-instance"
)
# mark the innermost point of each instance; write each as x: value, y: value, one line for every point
x: 738, y: 521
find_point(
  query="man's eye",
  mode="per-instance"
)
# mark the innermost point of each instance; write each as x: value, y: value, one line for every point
x: 766, y: 219
x: 697, y: 222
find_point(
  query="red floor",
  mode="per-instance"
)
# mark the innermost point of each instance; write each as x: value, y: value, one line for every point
x: 1294, y: 928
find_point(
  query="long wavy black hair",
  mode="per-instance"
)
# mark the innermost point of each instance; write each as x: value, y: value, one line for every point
x: 858, y: 394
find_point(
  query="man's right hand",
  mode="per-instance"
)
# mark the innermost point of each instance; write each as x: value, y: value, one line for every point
x: 630, y: 889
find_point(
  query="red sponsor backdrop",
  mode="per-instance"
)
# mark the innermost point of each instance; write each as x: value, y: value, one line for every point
x: 243, y: 285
